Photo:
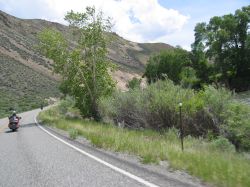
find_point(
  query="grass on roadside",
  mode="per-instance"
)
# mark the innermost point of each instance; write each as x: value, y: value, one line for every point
x: 243, y: 95
x: 200, y: 158
x: 73, y: 133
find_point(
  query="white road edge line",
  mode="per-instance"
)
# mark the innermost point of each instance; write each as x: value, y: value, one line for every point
x: 130, y: 175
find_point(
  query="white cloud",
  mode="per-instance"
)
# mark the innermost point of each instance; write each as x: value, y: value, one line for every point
x: 136, y: 20
x: 183, y: 37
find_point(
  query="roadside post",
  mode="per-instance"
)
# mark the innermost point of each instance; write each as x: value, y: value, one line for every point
x: 181, y: 127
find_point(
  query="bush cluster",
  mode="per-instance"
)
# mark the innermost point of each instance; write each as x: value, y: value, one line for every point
x: 209, y: 111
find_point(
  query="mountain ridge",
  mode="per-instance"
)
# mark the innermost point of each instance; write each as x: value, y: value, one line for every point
x: 121, y: 51
x: 18, y: 41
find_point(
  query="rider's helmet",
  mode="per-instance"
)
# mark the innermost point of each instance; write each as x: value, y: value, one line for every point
x: 14, y: 113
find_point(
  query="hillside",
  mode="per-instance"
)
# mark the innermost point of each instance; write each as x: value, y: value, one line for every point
x: 18, y: 41
x: 21, y: 87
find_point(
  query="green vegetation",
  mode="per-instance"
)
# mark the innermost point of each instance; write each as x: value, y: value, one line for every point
x: 168, y: 64
x: 220, y: 55
x: 244, y: 97
x: 209, y: 111
x: 134, y: 83
x: 221, y: 50
x: 21, y: 88
x: 85, y: 69
x: 216, y: 125
x: 213, y: 161
x: 73, y: 133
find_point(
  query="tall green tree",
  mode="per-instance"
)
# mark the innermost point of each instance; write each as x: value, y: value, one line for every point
x: 198, y: 56
x: 174, y: 64
x: 223, y: 43
x: 84, y: 67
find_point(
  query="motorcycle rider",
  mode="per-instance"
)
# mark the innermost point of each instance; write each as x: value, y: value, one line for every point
x: 14, y: 117
x: 14, y: 121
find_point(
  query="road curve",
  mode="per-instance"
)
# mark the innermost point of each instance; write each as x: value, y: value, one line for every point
x: 32, y: 157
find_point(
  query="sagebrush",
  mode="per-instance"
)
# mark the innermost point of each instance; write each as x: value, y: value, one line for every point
x: 156, y: 107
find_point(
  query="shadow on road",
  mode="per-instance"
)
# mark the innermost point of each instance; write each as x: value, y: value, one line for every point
x: 10, y: 131
x: 21, y: 127
x: 28, y: 125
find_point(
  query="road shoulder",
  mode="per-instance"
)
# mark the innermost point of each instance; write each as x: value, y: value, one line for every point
x: 162, y: 173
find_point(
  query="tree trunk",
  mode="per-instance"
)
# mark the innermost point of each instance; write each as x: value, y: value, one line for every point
x: 95, y: 112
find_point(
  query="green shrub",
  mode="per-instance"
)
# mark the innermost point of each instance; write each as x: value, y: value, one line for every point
x: 156, y: 107
x: 236, y: 125
x: 66, y: 104
x: 210, y: 112
x: 169, y: 63
x: 215, y: 100
x: 73, y: 133
x: 134, y: 83
x: 223, y: 144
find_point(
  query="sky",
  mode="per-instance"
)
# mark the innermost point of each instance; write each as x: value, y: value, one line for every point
x: 166, y: 21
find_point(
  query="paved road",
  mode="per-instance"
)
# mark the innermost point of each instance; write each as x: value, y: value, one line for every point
x: 31, y: 157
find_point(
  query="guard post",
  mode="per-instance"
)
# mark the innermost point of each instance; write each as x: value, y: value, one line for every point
x: 181, y: 127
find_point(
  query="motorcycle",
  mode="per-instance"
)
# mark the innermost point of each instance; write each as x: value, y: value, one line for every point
x: 14, y: 123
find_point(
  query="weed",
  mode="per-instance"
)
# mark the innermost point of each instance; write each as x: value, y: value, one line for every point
x: 73, y: 133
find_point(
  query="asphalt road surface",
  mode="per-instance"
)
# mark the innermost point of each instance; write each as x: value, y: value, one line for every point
x: 32, y: 157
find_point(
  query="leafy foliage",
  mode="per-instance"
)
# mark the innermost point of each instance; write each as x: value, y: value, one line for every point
x: 155, y: 107
x: 134, y: 83
x: 222, y: 144
x: 188, y: 77
x: 237, y: 124
x: 167, y: 64
x: 225, y: 42
x: 84, y: 68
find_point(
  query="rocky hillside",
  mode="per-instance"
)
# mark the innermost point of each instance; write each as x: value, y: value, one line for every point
x: 19, y: 60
